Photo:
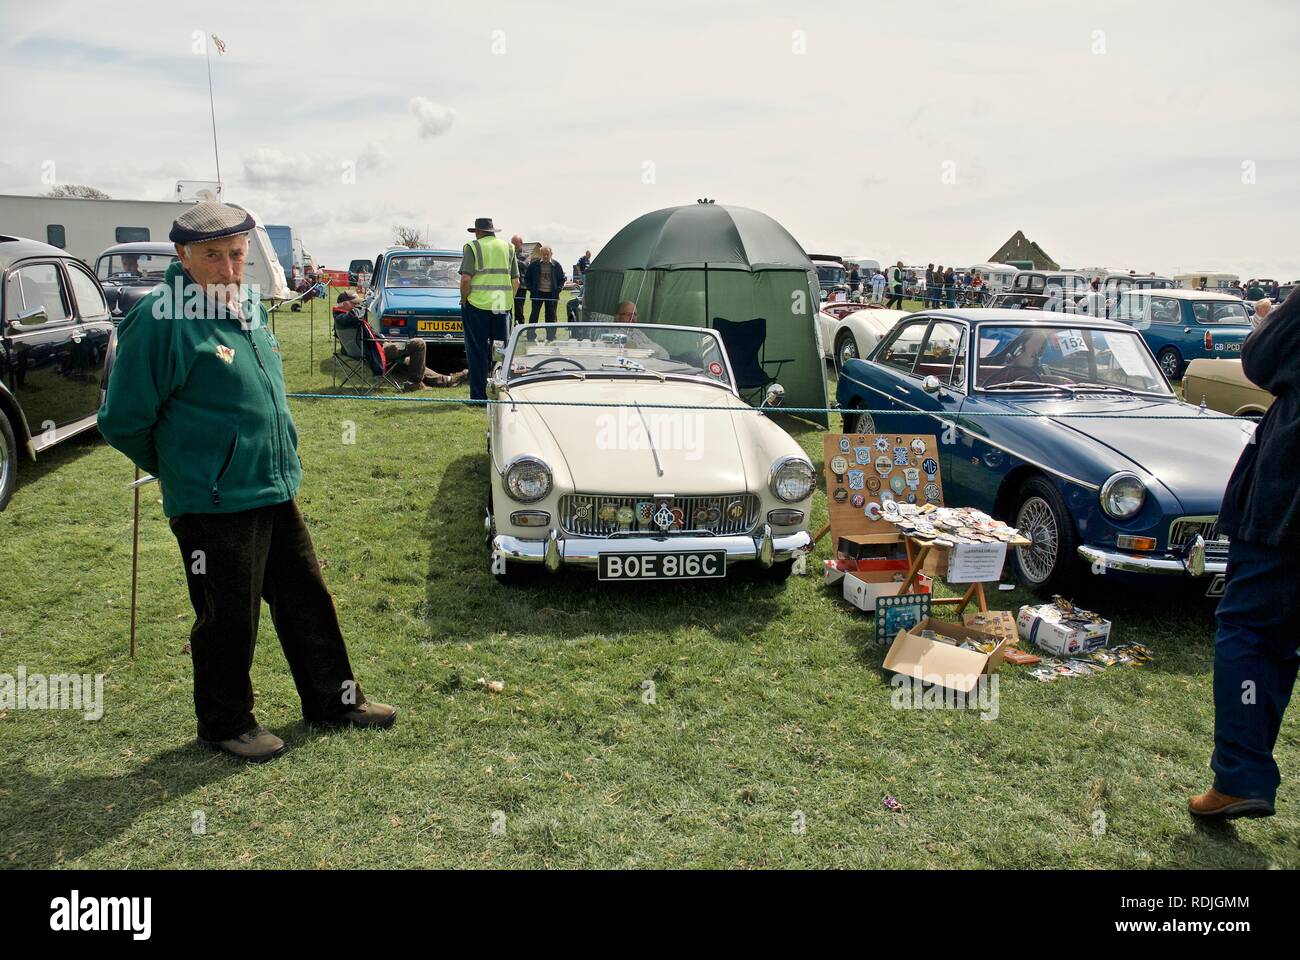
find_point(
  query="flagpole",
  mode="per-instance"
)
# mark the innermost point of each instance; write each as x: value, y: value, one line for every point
x: 207, y: 56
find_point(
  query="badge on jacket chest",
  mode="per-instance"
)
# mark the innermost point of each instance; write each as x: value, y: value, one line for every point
x: 226, y: 353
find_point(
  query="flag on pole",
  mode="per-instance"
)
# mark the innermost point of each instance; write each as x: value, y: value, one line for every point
x: 221, y: 46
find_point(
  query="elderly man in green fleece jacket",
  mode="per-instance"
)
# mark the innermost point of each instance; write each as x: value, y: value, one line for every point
x: 196, y: 396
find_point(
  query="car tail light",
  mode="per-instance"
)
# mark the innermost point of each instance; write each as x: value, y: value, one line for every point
x: 1209, y: 340
x: 1125, y: 542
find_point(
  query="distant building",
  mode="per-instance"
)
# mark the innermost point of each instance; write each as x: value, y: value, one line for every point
x: 1020, y: 249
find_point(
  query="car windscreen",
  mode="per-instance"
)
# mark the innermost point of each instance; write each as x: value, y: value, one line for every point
x: 422, y: 271
x: 831, y: 274
x: 618, y: 350
x: 1014, y: 358
x: 1220, y: 311
x: 134, y: 266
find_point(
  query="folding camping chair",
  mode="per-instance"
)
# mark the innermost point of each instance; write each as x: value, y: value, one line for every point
x: 746, y: 343
x: 352, y: 338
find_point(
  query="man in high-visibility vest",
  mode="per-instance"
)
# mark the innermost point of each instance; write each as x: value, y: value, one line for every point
x: 489, y: 277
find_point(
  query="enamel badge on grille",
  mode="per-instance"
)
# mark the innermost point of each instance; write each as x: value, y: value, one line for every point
x: 663, y: 517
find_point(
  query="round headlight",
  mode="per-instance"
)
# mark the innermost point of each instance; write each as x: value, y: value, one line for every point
x: 792, y: 479
x: 527, y: 479
x: 1122, y: 495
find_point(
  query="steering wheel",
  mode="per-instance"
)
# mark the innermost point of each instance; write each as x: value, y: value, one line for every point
x: 542, y: 363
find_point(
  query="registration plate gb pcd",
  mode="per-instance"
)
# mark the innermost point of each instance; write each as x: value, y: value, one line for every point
x: 439, y: 326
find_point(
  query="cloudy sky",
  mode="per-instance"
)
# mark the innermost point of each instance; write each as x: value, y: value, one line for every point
x: 1156, y: 136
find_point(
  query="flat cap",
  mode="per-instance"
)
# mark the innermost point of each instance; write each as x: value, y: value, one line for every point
x: 210, y: 220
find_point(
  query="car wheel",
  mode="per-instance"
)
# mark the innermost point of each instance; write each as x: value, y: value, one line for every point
x: 846, y: 349
x: 855, y: 422
x: 1171, y: 363
x: 8, y: 461
x: 1040, y: 515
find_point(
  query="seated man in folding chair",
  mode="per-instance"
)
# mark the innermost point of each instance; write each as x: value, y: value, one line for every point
x: 409, y: 355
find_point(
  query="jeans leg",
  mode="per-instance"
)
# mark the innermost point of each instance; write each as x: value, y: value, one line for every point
x: 225, y: 560
x: 306, y: 621
x: 1255, y: 663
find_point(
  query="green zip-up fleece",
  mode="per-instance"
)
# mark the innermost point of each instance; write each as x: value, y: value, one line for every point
x: 197, y: 399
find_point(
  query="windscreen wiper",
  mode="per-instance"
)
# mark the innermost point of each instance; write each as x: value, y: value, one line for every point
x: 1025, y: 385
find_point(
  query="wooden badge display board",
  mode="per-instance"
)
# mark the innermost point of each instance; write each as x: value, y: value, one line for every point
x: 866, y: 469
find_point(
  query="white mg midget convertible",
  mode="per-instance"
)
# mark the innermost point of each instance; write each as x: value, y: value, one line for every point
x: 626, y: 449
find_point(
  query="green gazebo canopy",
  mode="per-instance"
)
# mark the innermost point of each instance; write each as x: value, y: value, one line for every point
x: 729, y: 268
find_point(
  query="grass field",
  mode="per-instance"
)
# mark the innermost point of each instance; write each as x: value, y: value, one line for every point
x: 769, y: 702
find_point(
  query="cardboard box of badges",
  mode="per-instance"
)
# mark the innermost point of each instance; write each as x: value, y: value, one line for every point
x: 1041, y: 625
x: 873, y: 552
x: 863, y: 587
x: 933, y: 661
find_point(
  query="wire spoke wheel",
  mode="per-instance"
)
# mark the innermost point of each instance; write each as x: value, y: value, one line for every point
x: 1038, y: 522
x: 848, y: 350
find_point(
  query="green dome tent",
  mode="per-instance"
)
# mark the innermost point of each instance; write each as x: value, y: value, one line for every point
x: 730, y: 268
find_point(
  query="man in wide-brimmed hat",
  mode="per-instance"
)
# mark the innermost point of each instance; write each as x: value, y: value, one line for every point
x: 196, y: 397
x: 489, y: 277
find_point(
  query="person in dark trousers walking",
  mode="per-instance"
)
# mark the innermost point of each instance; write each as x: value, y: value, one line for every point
x: 544, y: 280
x: 196, y: 397
x: 895, y: 286
x: 1257, y: 646
x: 929, y: 284
x: 489, y: 278
x: 521, y: 263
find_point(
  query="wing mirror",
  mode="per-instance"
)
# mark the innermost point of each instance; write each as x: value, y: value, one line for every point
x: 493, y: 388
x: 931, y: 384
x: 775, y: 396
x: 31, y: 317
x: 498, y: 351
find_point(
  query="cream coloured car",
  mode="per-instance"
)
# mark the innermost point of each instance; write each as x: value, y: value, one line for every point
x: 626, y: 449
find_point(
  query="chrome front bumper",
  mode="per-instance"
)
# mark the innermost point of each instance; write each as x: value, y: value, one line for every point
x: 1195, y: 564
x: 555, y: 552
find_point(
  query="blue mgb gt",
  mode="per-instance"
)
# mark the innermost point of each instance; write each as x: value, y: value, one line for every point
x: 417, y: 294
x: 1063, y: 426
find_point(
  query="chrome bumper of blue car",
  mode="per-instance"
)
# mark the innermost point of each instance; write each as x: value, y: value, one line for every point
x: 1194, y: 564
x: 556, y: 552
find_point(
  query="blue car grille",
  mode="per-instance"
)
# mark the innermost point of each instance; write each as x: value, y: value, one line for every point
x: 1182, y: 530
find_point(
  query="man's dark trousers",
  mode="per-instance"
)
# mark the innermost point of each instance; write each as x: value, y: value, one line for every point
x: 519, y: 304
x: 481, y: 328
x: 550, y: 312
x: 896, y: 297
x: 1256, y: 654
x: 232, y: 562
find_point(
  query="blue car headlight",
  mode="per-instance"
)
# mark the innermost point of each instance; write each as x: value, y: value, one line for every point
x: 1122, y: 495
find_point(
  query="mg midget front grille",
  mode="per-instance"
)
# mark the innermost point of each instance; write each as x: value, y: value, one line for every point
x: 613, y: 515
x: 1182, y: 530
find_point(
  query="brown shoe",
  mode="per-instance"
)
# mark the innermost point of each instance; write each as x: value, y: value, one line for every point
x: 379, y: 716
x: 1215, y: 805
x: 256, y: 746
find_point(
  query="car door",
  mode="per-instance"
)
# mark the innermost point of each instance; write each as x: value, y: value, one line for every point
x: 89, y: 354
x: 937, y: 349
x: 44, y: 343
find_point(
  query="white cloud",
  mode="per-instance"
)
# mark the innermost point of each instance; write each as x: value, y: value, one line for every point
x: 433, y: 119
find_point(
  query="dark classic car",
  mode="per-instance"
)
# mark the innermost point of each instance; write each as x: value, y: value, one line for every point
x: 417, y: 294
x: 128, y: 271
x: 1064, y: 427
x: 56, y: 343
x: 1184, y: 325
